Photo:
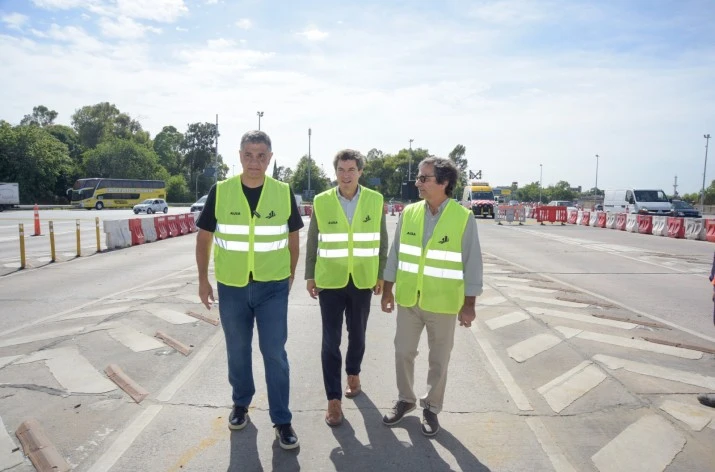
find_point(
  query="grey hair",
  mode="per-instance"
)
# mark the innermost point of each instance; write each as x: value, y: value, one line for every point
x: 349, y: 155
x: 444, y: 171
x: 256, y: 137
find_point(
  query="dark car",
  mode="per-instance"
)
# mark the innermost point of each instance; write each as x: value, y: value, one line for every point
x: 199, y: 205
x: 681, y: 208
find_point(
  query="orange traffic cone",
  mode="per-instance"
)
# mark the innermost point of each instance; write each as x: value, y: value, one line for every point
x: 37, y: 221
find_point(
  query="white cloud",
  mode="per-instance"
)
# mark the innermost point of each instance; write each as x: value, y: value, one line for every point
x: 511, y: 12
x: 166, y: 11
x: 183, y: 30
x: 75, y: 36
x: 14, y: 20
x: 211, y: 2
x: 61, y: 4
x: 244, y: 23
x: 313, y: 34
x: 124, y: 28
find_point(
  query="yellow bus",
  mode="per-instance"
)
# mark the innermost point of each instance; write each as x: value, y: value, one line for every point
x: 101, y: 193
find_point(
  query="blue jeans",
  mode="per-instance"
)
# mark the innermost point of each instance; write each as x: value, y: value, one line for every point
x: 267, y: 304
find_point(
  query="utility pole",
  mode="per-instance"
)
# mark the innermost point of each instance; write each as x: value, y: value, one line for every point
x: 541, y: 174
x: 216, y: 156
x: 310, y: 164
x: 409, y: 166
x: 260, y: 115
x: 702, y: 196
x: 595, y: 189
x: 675, y: 187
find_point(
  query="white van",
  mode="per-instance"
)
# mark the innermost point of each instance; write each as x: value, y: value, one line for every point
x: 636, y: 200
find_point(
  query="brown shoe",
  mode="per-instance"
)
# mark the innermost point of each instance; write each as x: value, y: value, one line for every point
x: 353, y: 387
x: 334, y: 414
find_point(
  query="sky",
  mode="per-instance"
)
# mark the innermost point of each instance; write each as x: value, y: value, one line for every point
x: 532, y: 88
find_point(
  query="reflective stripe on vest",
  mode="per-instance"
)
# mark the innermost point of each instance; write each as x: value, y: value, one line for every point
x: 348, y: 249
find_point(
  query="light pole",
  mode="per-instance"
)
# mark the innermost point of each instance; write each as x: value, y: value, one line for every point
x: 309, y: 161
x: 595, y: 189
x: 541, y: 173
x: 409, y: 166
x: 702, y: 196
x: 260, y: 115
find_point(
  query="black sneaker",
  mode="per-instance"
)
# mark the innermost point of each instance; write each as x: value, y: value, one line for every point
x: 287, y: 439
x: 238, y: 419
x: 395, y: 415
x: 430, y: 423
x: 707, y: 399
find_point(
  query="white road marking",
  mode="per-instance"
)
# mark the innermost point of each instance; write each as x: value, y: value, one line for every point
x: 648, y: 445
x: 490, y: 301
x: 102, y: 312
x: 523, y: 288
x: 192, y: 298
x: 51, y: 335
x: 135, y: 340
x: 506, y: 320
x: 161, y: 287
x: 550, y: 301
x: 510, y: 279
x: 136, y: 296
x: 637, y: 344
x: 690, y: 378
x: 696, y: 417
x: 497, y: 271
x: 505, y: 376
x: 549, y: 445
x: 572, y: 385
x: 8, y: 458
x: 583, y: 318
x: 72, y: 370
x: 532, y: 346
x: 169, y: 315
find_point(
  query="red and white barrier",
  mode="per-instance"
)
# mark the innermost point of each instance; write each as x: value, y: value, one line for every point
x: 695, y: 229
x: 586, y: 220
x: 149, y: 229
x: 645, y: 224
x: 593, y: 219
x: 632, y: 223
x: 660, y: 226
x: 611, y: 220
x: 676, y: 227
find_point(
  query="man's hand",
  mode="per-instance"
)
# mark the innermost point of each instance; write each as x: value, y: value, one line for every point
x: 206, y: 293
x: 388, y: 301
x: 466, y: 315
x: 377, y: 289
x: 311, y: 288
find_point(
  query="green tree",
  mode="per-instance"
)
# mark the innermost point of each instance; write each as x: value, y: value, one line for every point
x: 561, y: 191
x: 123, y: 159
x: 457, y: 156
x: 199, y: 148
x: 299, y: 180
x: 95, y: 123
x: 529, y: 193
x: 168, y: 146
x: 41, y: 116
x: 177, y: 190
x: 373, y: 154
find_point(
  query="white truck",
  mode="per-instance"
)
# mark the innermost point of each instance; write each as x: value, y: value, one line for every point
x: 9, y: 195
x: 636, y: 200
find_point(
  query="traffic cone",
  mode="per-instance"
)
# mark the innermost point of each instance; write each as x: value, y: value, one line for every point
x: 37, y: 221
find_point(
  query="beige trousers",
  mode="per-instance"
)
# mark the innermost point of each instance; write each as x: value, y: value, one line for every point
x: 440, y: 339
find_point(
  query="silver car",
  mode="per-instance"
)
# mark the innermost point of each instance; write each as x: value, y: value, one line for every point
x: 151, y: 205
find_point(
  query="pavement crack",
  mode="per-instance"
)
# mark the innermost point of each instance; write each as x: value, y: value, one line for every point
x: 36, y: 388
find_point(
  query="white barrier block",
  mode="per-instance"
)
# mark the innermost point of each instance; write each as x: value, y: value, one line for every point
x: 118, y: 234
x: 579, y: 218
x: 695, y: 228
x: 611, y: 220
x: 149, y: 229
x: 660, y: 226
x: 593, y: 219
x: 632, y: 223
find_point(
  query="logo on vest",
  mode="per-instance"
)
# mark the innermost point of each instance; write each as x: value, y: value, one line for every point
x: 410, y: 233
x: 367, y: 218
x: 445, y: 239
x: 332, y: 222
x: 271, y: 215
x: 235, y: 213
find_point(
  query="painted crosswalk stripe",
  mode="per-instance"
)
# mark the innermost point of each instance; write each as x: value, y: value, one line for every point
x: 169, y: 315
x: 532, y: 346
x: 71, y: 370
x: 630, y: 343
x: 134, y: 340
x: 572, y: 385
x: 490, y: 301
x: 525, y: 288
x: 690, y: 378
x: 92, y: 313
x: 8, y: 360
x: 550, y: 301
x: 30, y: 338
x: 549, y: 445
x: 192, y: 298
x: 161, y: 287
x: 136, y: 296
x: 10, y: 454
x: 583, y: 318
x: 506, y: 320
x: 648, y: 445
x: 695, y: 416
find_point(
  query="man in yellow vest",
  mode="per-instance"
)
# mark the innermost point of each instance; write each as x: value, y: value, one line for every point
x: 252, y: 221
x: 345, y: 256
x: 436, y: 265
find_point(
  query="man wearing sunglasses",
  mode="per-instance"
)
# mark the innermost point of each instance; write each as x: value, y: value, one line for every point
x: 436, y: 264
x: 345, y: 256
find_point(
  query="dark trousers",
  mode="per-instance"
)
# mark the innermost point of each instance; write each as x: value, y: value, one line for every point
x: 355, y: 303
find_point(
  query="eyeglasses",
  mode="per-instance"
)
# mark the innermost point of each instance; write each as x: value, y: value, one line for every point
x: 423, y: 178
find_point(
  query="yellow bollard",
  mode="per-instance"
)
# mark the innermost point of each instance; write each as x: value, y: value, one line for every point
x: 22, y: 246
x: 96, y: 224
x: 52, y: 242
x: 79, y: 247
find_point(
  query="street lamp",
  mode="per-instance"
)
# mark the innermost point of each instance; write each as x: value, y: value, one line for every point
x: 702, y: 196
x: 409, y: 165
x: 309, y: 161
x: 260, y: 115
x: 541, y: 174
x: 595, y: 189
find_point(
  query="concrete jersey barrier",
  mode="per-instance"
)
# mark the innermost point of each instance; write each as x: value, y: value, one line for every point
x: 149, y: 229
x: 117, y: 234
x: 632, y: 223
x: 660, y: 226
x: 695, y: 228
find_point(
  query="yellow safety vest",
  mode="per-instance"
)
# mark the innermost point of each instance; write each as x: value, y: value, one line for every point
x: 245, y: 243
x: 348, y: 249
x: 435, y: 272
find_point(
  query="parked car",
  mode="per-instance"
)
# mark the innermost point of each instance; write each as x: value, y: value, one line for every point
x: 681, y: 208
x: 199, y: 205
x: 565, y: 203
x: 151, y: 205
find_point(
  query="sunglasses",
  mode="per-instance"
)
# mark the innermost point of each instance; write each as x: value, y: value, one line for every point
x: 423, y: 178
